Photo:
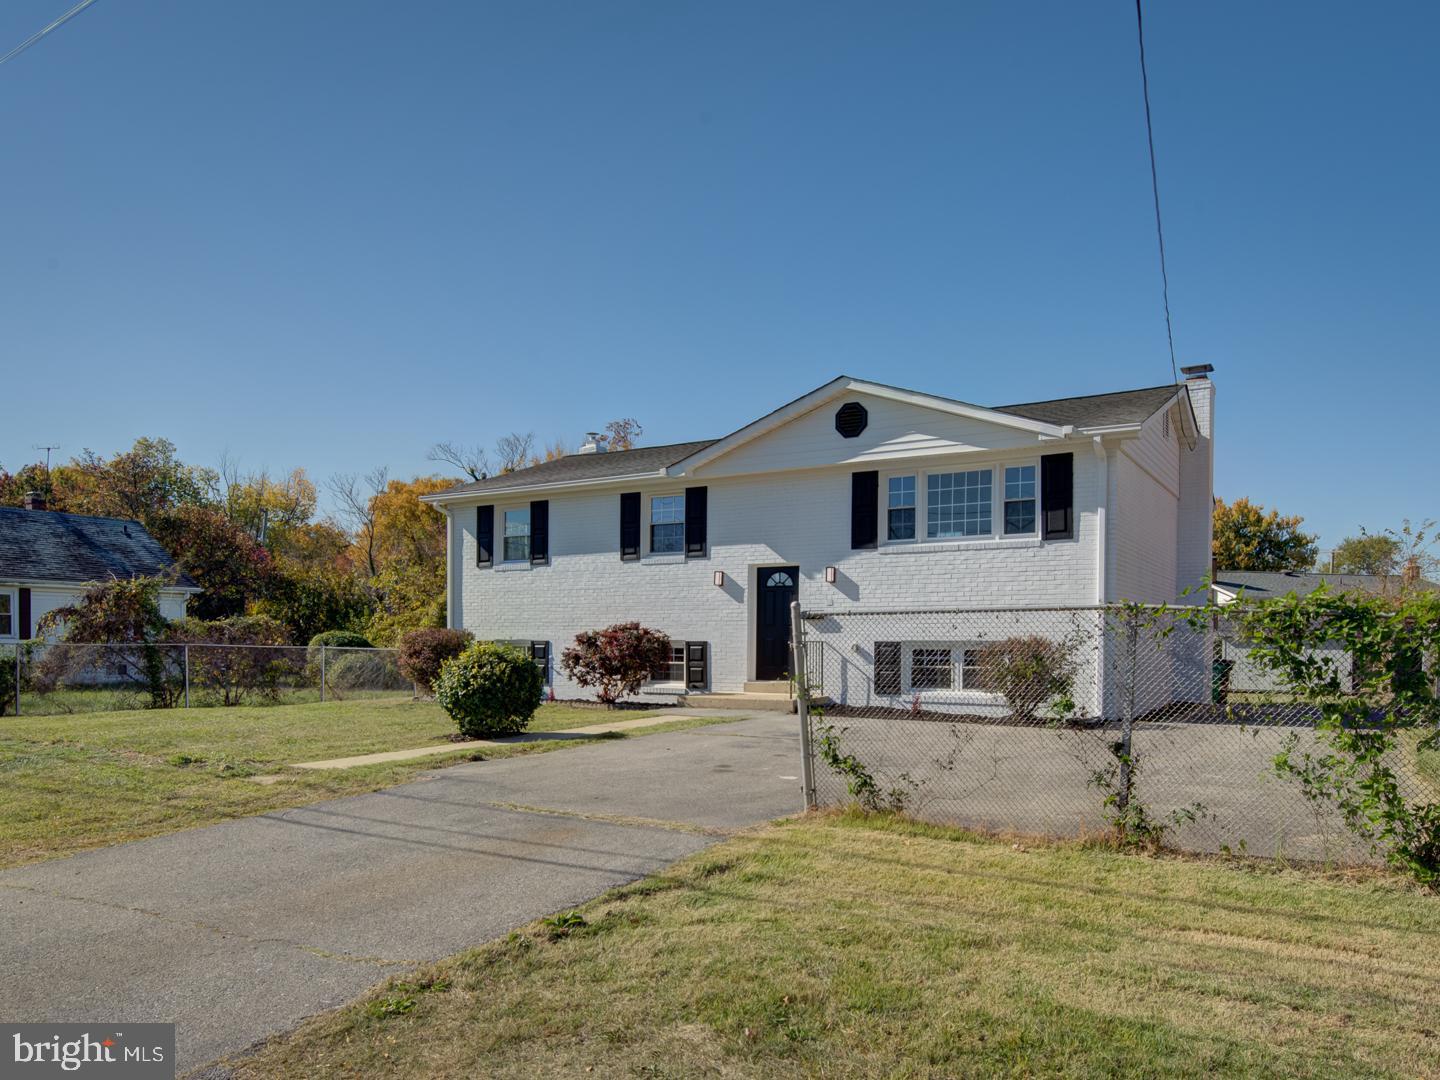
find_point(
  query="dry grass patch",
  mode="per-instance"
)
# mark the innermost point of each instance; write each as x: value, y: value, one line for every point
x: 80, y: 781
x: 848, y: 946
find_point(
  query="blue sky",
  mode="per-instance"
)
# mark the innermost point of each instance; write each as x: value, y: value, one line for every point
x: 330, y: 234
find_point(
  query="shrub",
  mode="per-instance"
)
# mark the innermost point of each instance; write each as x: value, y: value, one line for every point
x: 617, y: 660
x: 7, y: 681
x: 1032, y: 672
x: 341, y: 639
x: 362, y: 671
x: 490, y: 689
x: 245, y: 668
x: 422, y: 652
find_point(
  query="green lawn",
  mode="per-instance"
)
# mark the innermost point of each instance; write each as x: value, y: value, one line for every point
x: 842, y: 946
x: 77, y: 781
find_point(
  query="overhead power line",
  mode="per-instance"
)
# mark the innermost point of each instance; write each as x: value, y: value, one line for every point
x: 1155, y: 188
x: 33, y: 38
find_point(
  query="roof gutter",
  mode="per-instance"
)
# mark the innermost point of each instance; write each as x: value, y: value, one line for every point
x: 445, y: 498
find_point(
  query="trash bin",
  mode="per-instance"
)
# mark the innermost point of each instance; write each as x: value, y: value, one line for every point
x: 1220, y: 680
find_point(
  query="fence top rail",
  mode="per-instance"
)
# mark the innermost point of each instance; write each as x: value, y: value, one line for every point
x: 813, y: 614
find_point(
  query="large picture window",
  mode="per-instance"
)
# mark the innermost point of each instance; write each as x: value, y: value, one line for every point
x: 957, y: 504
x: 517, y: 535
x: 667, y: 524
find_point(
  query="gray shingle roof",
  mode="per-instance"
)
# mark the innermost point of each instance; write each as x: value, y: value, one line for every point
x: 573, y: 467
x: 1264, y: 584
x: 1095, y: 410
x: 41, y: 545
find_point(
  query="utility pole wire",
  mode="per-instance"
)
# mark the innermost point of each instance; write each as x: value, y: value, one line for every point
x: 1155, y: 187
x: 33, y: 38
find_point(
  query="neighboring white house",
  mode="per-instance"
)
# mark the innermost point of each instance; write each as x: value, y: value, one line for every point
x: 856, y: 496
x: 47, y: 559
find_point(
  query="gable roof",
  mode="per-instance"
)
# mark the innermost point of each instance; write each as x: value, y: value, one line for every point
x: 42, y: 545
x: 1055, y: 418
x: 1265, y: 584
x: 1098, y: 410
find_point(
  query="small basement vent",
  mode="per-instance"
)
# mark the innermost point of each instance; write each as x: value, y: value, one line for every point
x: 851, y: 419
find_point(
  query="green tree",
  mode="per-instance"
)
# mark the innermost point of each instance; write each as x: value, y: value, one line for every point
x: 1368, y: 553
x: 1247, y: 537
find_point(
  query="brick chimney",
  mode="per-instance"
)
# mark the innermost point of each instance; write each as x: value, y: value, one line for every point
x: 33, y: 500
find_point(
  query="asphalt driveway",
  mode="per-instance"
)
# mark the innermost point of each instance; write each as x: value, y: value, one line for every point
x: 237, y: 931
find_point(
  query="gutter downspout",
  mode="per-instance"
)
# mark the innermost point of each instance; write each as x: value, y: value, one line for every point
x: 1102, y: 523
x: 449, y: 567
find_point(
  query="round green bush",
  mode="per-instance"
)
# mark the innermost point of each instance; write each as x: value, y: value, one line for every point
x: 490, y: 690
x: 363, y: 671
x: 341, y: 639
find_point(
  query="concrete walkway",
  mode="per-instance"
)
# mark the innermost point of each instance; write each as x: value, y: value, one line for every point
x: 237, y: 931
x: 529, y: 736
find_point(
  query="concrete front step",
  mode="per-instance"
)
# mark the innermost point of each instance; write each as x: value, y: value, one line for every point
x: 762, y: 702
x: 769, y: 686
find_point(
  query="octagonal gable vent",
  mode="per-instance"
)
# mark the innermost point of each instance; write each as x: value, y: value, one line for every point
x: 850, y: 419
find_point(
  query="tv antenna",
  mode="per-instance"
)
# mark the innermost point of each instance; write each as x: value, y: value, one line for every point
x: 47, y: 450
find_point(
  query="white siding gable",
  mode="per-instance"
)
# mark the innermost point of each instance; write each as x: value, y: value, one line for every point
x: 896, y: 431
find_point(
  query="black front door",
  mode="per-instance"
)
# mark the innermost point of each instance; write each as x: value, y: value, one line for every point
x: 779, y: 586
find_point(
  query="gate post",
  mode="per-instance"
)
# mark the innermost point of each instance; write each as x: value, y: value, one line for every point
x: 802, y: 706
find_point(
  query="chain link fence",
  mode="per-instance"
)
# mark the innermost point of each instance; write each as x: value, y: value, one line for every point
x: 45, y: 678
x: 1057, y: 721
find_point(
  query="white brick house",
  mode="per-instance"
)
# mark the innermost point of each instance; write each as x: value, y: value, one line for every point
x: 857, y: 495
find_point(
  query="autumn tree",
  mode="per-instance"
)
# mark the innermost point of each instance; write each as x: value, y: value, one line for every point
x: 140, y: 483
x: 621, y: 434
x: 231, y: 567
x: 513, y: 451
x: 1247, y: 537
x: 15, y: 486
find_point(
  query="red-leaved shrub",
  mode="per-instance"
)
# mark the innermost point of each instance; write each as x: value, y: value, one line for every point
x: 617, y: 660
x: 423, y: 651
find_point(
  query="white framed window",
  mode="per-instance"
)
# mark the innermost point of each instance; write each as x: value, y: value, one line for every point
x: 674, y: 670
x: 1019, y: 509
x: 900, y: 508
x: 958, y: 504
x: 9, y: 613
x: 667, y: 524
x: 933, y: 665
x: 516, y: 538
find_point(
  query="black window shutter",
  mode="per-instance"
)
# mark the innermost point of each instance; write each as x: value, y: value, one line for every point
x: 696, y: 513
x: 887, y: 667
x: 1057, y: 495
x: 630, y: 526
x: 697, y: 673
x: 25, y: 629
x: 864, y: 509
x: 540, y: 531
x: 484, y: 536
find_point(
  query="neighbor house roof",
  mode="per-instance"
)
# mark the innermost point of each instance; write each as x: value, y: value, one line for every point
x: 41, y: 545
x: 1265, y: 584
x: 1120, y: 409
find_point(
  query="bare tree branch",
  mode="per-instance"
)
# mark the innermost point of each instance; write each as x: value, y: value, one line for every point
x: 470, y: 460
x: 513, y: 450
x: 355, y: 496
